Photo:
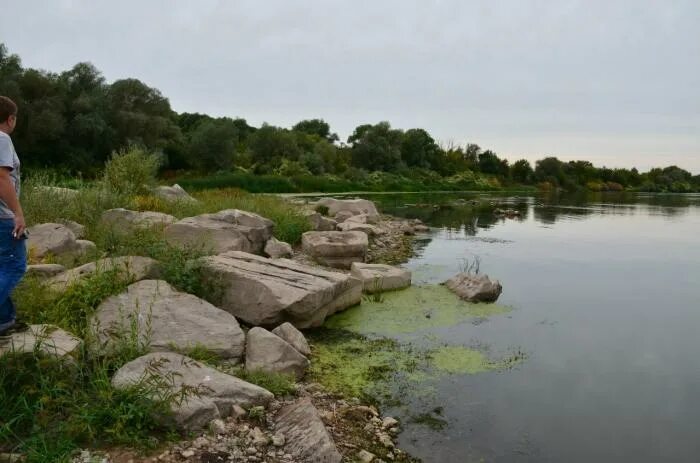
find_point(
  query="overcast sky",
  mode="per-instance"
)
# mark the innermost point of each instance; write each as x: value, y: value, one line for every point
x: 613, y: 81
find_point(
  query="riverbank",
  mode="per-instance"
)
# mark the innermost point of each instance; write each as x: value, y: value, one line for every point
x: 60, y: 404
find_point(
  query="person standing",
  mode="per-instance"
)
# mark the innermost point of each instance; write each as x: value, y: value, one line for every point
x: 13, y: 252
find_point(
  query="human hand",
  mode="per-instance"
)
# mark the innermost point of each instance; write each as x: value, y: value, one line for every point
x: 20, y: 225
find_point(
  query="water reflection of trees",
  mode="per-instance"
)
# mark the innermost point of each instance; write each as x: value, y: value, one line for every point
x: 472, y: 213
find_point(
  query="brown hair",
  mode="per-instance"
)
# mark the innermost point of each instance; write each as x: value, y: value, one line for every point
x: 7, y: 108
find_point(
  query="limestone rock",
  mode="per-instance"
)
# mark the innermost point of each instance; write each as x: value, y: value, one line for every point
x: 293, y: 336
x: 380, y: 277
x: 48, y: 339
x: 319, y: 222
x: 135, y: 268
x: 121, y: 219
x: 43, y: 271
x: 336, y: 248
x: 268, y: 352
x: 227, y: 230
x: 342, y: 216
x: 277, y: 249
x: 217, y: 392
x: 168, y: 320
x: 355, y: 206
x: 173, y: 193
x: 51, y: 238
x: 85, y: 247
x: 475, y: 288
x: 77, y: 229
x: 364, y: 218
x: 306, y: 436
x: 264, y: 291
x: 370, y: 230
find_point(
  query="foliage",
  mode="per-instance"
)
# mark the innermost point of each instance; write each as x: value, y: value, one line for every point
x: 74, y: 120
x: 131, y: 171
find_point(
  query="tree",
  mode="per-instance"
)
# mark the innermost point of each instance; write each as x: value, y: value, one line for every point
x: 376, y: 147
x: 269, y: 145
x: 490, y: 163
x: 521, y: 171
x: 317, y: 127
x: 549, y: 170
x: 418, y: 149
x: 141, y: 115
x: 212, y: 144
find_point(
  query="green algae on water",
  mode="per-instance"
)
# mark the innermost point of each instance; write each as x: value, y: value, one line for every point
x: 410, y: 310
x: 463, y: 360
x: 356, y: 366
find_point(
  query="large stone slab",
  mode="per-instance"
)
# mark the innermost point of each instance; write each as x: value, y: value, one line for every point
x: 355, y: 206
x: 227, y: 230
x: 121, y: 219
x: 217, y: 392
x: 134, y: 268
x: 380, y: 277
x: 51, y: 238
x: 306, y: 436
x: 267, y: 292
x: 336, y: 248
x: 268, y: 352
x: 475, y: 288
x: 48, y: 339
x: 167, y: 320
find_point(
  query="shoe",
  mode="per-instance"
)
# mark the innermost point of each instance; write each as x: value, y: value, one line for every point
x: 17, y: 327
x: 6, y: 327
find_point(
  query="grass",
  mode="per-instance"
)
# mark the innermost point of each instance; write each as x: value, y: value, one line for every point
x: 52, y: 407
x: 375, y: 181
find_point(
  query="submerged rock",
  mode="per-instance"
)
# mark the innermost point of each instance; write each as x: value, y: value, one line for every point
x: 268, y: 352
x: 167, y: 320
x: 267, y: 292
x: 380, y: 277
x: 216, y: 392
x: 336, y: 249
x: 227, y: 230
x: 475, y: 288
x: 306, y: 436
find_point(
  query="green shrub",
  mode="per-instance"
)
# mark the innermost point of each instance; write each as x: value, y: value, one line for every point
x: 131, y: 171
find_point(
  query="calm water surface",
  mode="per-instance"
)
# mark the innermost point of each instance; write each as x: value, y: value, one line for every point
x: 606, y: 303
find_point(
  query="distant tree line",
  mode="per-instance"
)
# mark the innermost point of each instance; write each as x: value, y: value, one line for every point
x: 74, y: 120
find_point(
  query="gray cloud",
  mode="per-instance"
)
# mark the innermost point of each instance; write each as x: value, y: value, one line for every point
x: 613, y: 81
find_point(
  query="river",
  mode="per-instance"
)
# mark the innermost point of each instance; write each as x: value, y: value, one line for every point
x: 603, y: 298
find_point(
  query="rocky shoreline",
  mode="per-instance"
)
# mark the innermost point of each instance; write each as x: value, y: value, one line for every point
x: 244, y: 422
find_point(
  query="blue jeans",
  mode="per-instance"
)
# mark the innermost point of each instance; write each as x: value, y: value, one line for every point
x: 13, y: 264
